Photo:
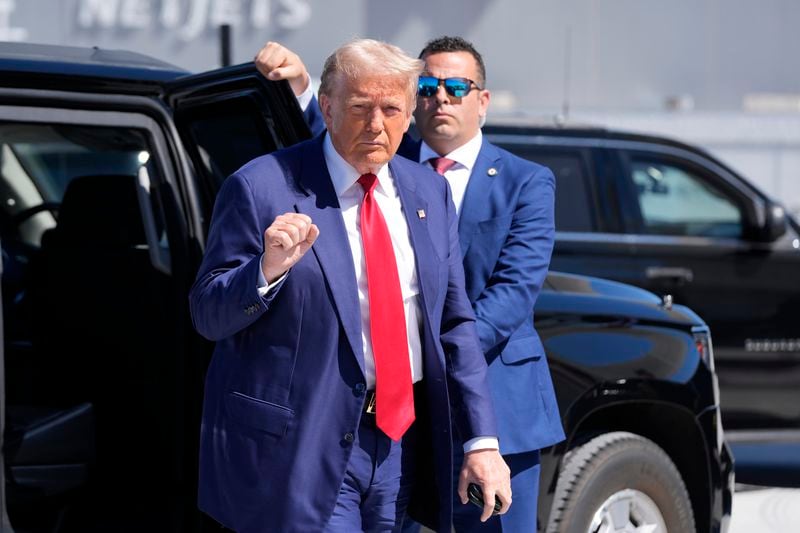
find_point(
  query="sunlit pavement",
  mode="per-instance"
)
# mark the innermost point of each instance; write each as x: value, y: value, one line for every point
x: 757, y: 510
x: 767, y: 510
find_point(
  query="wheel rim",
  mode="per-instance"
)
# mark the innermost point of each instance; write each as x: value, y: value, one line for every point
x: 628, y: 511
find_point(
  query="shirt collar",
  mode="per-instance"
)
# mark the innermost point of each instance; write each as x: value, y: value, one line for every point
x: 343, y: 175
x: 465, y: 155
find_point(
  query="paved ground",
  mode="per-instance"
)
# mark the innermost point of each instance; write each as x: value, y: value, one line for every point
x: 756, y: 510
x: 768, y: 510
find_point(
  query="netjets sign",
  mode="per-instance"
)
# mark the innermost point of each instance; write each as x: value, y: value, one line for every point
x: 189, y: 18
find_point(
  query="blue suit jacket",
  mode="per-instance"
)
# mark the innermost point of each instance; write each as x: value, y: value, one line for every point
x: 506, y: 230
x: 285, y: 384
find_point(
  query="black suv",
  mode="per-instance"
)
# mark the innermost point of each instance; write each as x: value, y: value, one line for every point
x: 673, y: 219
x: 109, y: 165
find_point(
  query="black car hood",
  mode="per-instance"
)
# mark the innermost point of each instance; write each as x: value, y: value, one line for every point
x: 563, y: 292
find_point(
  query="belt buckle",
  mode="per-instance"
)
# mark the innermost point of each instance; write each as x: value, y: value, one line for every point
x: 370, y: 404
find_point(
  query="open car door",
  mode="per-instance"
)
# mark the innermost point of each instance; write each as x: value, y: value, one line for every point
x: 224, y: 118
x: 227, y: 117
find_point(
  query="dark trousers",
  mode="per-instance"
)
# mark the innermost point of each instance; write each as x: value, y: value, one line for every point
x: 377, y: 483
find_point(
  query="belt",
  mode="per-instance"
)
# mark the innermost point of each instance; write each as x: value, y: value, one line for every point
x: 368, y: 412
x: 369, y: 401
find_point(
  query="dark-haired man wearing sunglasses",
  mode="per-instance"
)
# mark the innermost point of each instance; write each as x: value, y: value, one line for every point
x: 506, y: 230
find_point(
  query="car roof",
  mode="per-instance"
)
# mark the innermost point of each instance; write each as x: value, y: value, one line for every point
x: 555, y: 127
x: 23, y: 64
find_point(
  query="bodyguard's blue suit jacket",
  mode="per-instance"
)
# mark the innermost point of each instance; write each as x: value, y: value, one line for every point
x: 506, y: 231
x: 284, y: 389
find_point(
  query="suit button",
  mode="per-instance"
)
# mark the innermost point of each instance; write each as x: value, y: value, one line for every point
x: 360, y: 388
x: 349, y: 437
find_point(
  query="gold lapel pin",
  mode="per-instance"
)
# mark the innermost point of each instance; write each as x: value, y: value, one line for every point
x: 421, y: 214
x: 492, y: 171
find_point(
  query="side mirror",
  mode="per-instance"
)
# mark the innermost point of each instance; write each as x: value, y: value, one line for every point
x: 774, y: 222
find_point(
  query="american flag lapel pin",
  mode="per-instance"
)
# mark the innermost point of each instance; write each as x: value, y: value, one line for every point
x: 421, y: 214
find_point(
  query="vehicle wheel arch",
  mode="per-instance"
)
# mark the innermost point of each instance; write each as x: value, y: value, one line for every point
x: 676, y: 433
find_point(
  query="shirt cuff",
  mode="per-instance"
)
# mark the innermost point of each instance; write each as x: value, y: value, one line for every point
x: 264, y: 287
x: 481, y: 443
x: 304, y: 99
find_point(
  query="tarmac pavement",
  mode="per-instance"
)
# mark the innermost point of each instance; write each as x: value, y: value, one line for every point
x: 760, y: 510
x: 765, y: 510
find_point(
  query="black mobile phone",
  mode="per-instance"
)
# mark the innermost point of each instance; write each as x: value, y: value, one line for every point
x: 475, y: 495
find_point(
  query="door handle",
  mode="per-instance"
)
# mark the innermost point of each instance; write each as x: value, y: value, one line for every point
x: 677, y: 275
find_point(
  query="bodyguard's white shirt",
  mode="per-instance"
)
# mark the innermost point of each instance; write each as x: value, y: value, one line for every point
x: 458, y: 175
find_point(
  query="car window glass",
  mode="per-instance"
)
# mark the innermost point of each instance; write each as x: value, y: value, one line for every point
x: 574, y: 206
x: 676, y: 201
x: 38, y: 162
x: 226, y: 135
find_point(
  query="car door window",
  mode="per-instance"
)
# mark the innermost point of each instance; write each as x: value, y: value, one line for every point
x: 676, y: 200
x: 227, y: 118
x: 228, y: 134
x: 575, y: 207
x: 77, y: 184
x: 38, y: 161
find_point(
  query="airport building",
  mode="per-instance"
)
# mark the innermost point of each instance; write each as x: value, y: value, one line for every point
x: 719, y: 73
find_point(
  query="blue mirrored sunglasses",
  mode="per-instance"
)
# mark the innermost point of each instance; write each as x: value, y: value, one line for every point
x: 457, y: 87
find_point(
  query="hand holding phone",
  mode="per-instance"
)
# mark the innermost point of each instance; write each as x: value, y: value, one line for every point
x: 475, y: 495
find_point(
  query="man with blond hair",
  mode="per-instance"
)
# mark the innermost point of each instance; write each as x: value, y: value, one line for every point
x: 333, y: 286
x: 506, y: 230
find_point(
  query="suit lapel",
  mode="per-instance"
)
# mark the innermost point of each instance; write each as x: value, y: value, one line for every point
x: 418, y: 231
x: 488, y: 167
x: 331, y: 249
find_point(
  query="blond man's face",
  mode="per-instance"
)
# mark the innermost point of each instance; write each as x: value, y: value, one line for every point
x: 366, y: 119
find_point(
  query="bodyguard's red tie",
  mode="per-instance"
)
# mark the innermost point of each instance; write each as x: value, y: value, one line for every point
x: 441, y: 164
x: 394, y: 393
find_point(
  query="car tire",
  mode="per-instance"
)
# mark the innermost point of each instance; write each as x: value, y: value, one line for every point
x: 620, y: 482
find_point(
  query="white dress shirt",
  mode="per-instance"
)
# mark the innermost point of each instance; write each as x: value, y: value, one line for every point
x: 458, y: 175
x: 351, y: 194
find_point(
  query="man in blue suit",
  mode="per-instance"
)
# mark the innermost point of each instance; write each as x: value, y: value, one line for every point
x: 506, y: 231
x: 296, y: 435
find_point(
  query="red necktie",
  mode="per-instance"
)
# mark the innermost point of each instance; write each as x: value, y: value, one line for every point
x: 441, y: 164
x: 394, y: 393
